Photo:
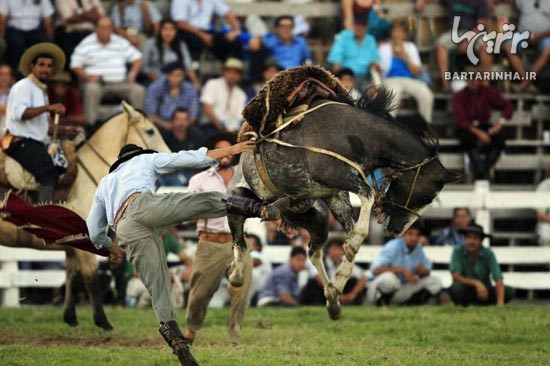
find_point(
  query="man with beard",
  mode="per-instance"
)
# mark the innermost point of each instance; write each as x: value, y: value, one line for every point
x: 28, y: 115
x: 215, y: 251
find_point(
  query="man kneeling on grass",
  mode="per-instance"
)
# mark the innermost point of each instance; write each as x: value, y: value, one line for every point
x: 471, y: 266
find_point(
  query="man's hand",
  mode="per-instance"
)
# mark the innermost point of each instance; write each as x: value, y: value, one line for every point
x: 231, y: 36
x: 484, y: 137
x: 116, y: 254
x: 206, y: 38
x: 481, y: 290
x: 244, y: 146
x: 494, y: 129
x: 411, y: 277
x: 57, y: 108
x: 347, y: 298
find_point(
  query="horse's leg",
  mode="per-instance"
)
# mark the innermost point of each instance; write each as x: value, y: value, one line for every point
x: 69, y: 312
x: 351, y: 247
x: 88, y: 268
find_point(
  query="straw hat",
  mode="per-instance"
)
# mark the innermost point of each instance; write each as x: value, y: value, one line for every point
x: 61, y: 77
x: 47, y: 48
x: 234, y: 63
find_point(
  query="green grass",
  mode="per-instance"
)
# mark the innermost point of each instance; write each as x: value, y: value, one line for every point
x: 364, y: 336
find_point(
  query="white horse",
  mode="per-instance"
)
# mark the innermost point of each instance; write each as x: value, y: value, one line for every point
x: 94, y: 160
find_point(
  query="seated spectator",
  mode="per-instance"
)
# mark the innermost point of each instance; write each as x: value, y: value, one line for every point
x: 262, y: 265
x: 451, y: 235
x: 482, y: 140
x: 354, y: 291
x: 534, y: 16
x: 169, y: 93
x: 471, y: 14
x: 282, y: 46
x: 268, y: 72
x: 61, y: 91
x: 347, y: 78
x: 274, y: 235
x: 543, y: 216
x: 400, y: 64
x: 165, y: 48
x: 281, y: 286
x: 194, y: 19
x: 401, y: 273
x: 223, y: 100
x: 6, y: 81
x: 23, y: 24
x: 472, y: 265
x: 79, y: 18
x: 356, y: 50
x: 100, y: 61
x: 181, y: 135
x: 135, y: 20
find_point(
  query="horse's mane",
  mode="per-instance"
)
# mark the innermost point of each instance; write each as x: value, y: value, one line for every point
x: 380, y: 102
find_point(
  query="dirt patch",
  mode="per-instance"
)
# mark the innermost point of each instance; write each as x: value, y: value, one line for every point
x: 87, y: 341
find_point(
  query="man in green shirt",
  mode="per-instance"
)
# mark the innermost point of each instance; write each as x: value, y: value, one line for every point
x: 472, y: 265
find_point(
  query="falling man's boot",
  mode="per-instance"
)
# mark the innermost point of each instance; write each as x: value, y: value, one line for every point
x: 180, y: 345
x: 252, y: 208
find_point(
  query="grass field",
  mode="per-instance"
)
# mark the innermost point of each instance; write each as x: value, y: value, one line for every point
x: 517, y: 335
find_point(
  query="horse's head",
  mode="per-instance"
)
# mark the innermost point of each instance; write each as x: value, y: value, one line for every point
x: 141, y: 131
x: 410, y: 193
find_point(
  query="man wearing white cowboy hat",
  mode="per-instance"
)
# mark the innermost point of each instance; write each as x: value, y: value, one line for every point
x: 28, y: 115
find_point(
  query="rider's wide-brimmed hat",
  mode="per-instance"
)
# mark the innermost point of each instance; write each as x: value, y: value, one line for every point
x: 128, y: 152
x: 44, y: 48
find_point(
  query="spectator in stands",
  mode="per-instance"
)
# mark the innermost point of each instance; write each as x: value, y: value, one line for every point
x: 181, y: 135
x: 472, y: 265
x: 194, y: 19
x: 223, y: 100
x: 471, y: 13
x: 61, y: 91
x: 401, y: 273
x: 451, y: 235
x: 282, y: 46
x: 23, y: 24
x: 273, y: 235
x: 135, y: 20
x: 400, y: 63
x: 356, y: 50
x: 543, y: 216
x: 354, y: 291
x: 100, y: 61
x: 79, y: 18
x: 169, y: 93
x: 534, y: 16
x: 347, y: 78
x: 165, y: 48
x: 268, y: 72
x: 482, y: 140
x: 379, y: 27
x: 6, y: 81
x: 262, y: 265
x: 281, y: 287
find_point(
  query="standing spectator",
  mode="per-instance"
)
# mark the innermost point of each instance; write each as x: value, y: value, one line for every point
x: 79, y: 18
x: 354, y: 291
x: 347, y: 78
x: 451, y: 235
x: 23, y: 24
x: 169, y: 93
x: 135, y: 20
x: 215, y: 250
x: 400, y: 64
x: 262, y: 265
x: 471, y: 13
x: 356, y: 50
x: 281, y: 287
x: 6, y: 81
x: 165, y: 48
x: 472, y: 265
x: 482, y: 140
x: 223, y: 100
x: 194, y: 18
x: 402, y: 271
x: 100, y: 61
x: 61, y: 91
x: 286, y: 49
x: 543, y: 216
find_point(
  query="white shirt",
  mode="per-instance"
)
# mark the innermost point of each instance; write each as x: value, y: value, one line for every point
x: 108, y: 61
x: 543, y: 228
x: 386, y: 56
x: 260, y: 273
x: 198, y: 13
x: 27, y: 94
x: 135, y: 175
x: 227, y: 103
x: 25, y: 15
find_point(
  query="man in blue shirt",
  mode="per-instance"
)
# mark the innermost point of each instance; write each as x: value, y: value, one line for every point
x: 355, y: 50
x: 124, y: 201
x: 402, y: 270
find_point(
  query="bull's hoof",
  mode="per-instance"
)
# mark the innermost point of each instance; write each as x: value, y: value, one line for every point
x: 234, y: 290
x: 69, y: 317
x: 100, y: 320
x: 333, y: 303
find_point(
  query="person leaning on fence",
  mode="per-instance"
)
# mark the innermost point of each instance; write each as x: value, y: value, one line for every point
x: 472, y: 266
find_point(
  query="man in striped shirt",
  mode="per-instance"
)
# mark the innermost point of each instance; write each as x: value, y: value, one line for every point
x: 100, y: 62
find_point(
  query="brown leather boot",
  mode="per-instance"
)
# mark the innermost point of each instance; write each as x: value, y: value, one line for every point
x: 252, y: 208
x: 180, y: 345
